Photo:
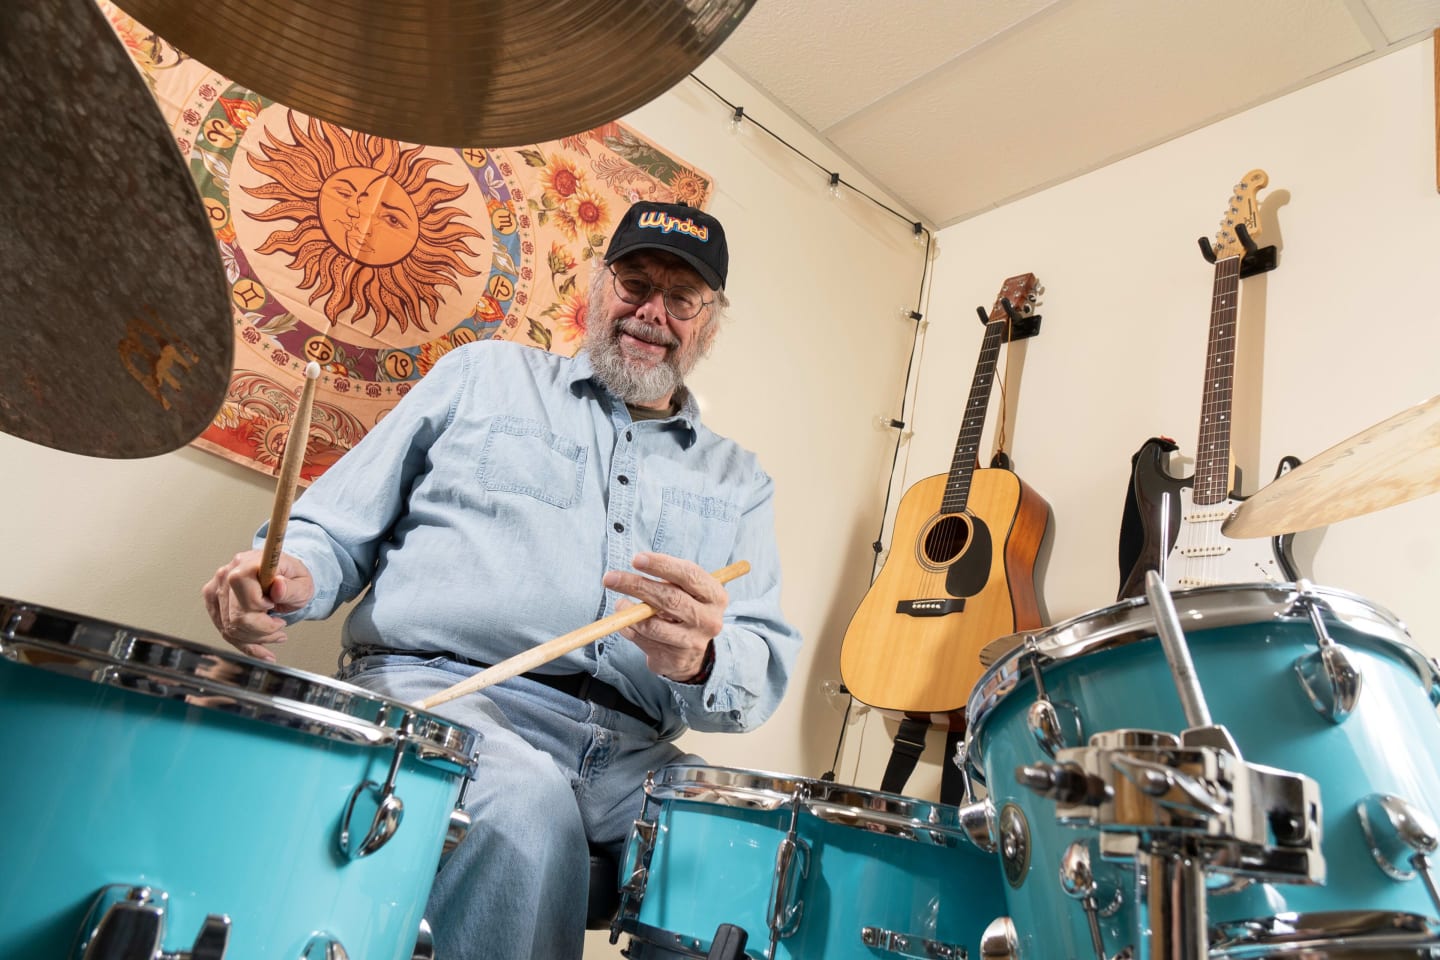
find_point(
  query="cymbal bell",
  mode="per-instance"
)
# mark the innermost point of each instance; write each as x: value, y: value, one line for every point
x: 1396, y: 460
x: 451, y: 73
x: 118, y: 338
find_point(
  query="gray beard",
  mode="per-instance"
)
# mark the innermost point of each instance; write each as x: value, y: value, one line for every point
x: 621, y: 375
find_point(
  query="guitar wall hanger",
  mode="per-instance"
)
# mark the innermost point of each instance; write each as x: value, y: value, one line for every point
x: 1022, y: 326
x: 1255, y: 260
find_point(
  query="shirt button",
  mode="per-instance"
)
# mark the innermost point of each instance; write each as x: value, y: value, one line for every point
x: 710, y: 700
x: 600, y: 647
x: 623, y: 479
x: 628, y: 436
x: 619, y: 527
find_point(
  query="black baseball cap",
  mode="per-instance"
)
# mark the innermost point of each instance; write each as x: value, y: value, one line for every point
x: 691, y: 234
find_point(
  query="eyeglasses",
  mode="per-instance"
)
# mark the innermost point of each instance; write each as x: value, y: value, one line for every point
x: 683, y: 302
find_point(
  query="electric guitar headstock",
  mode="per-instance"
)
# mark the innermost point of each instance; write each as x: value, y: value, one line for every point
x: 1243, y: 208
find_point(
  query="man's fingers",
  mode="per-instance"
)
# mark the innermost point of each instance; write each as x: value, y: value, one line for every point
x: 690, y: 577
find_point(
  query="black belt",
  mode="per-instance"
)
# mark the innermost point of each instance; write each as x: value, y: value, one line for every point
x: 581, y: 686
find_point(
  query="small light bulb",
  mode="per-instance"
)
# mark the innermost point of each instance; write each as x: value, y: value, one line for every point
x: 835, y: 186
x: 919, y: 233
x: 737, y: 119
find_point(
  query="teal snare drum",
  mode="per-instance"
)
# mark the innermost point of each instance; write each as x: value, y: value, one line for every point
x: 1256, y: 649
x: 808, y: 868
x: 197, y: 803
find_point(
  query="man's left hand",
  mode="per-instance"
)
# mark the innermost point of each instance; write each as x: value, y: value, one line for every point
x: 689, y: 607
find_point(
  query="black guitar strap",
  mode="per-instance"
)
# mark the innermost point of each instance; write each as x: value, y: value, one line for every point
x: 905, y: 754
x: 909, y: 744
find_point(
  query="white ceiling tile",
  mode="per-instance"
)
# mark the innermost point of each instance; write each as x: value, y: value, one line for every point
x: 1402, y: 19
x: 825, y: 59
x: 1089, y: 83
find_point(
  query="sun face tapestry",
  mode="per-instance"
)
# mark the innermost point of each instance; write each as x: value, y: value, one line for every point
x: 373, y: 257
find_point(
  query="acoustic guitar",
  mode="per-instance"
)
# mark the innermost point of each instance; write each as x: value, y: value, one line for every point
x: 1180, y: 517
x: 961, y: 569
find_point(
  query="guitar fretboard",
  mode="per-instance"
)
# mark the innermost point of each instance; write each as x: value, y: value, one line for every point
x: 962, y: 465
x: 1212, y: 465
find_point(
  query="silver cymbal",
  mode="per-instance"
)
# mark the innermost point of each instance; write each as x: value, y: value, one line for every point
x: 1396, y: 460
x: 451, y: 73
x: 117, y: 337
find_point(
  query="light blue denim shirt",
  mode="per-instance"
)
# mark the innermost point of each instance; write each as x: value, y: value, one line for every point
x: 484, y: 509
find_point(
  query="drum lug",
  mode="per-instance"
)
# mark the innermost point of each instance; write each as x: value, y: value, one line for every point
x: 908, y: 945
x: 1054, y: 726
x: 978, y: 821
x: 322, y: 946
x: 1401, y: 838
x: 1328, y: 676
x: 424, y: 942
x: 124, y: 923
x: 455, y: 832
x: 376, y: 806
x: 1000, y: 941
x: 128, y: 923
x: 1079, y: 882
x: 792, y: 864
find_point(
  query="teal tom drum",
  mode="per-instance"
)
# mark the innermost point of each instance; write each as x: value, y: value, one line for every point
x: 174, y: 799
x: 807, y: 868
x: 1255, y: 648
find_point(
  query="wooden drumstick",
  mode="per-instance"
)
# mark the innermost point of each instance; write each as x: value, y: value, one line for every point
x: 290, y: 464
x: 530, y: 659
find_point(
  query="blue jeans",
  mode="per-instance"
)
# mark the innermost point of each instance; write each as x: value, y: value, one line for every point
x: 555, y: 775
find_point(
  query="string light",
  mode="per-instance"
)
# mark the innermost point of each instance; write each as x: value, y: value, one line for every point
x: 835, y: 186
x: 919, y: 229
x: 737, y: 119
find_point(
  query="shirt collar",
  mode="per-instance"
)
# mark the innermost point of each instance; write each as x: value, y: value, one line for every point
x: 687, y: 418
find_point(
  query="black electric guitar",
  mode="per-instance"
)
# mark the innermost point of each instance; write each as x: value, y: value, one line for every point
x: 961, y: 570
x: 1180, y: 518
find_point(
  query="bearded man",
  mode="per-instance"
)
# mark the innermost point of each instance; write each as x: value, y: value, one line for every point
x: 511, y: 497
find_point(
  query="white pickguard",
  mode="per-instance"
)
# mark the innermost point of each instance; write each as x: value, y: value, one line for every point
x: 1204, y: 556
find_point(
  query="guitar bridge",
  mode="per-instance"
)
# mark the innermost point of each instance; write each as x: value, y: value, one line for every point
x: 930, y: 608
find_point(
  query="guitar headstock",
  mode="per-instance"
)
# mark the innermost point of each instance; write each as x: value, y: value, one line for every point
x: 1023, y: 292
x: 1244, y: 207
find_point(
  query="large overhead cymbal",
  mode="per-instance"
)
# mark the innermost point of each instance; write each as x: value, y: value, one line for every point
x: 116, y: 339
x: 1396, y: 460
x: 451, y: 73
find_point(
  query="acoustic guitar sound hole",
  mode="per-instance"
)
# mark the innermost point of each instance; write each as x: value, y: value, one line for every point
x: 947, y: 539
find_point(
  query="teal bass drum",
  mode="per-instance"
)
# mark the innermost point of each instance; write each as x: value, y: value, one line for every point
x: 1107, y: 671
x: 198, y: 803
x: 807, y: 868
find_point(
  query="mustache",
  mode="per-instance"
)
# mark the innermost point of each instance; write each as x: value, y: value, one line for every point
x: 647, y: 332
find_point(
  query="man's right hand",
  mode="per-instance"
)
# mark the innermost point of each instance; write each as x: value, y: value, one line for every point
x: 242, y: 611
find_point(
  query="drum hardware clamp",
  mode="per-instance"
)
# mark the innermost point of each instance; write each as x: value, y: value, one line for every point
x: 1190, y: 809
x: 128, y: 923
x: 909, y: 946
x: 1329, y: 676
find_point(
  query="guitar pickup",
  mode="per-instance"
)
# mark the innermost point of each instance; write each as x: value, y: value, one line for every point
x: 930, y: 608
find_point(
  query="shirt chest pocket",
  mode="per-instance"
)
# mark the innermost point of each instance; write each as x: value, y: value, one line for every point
x: 696, y: 527
x: 525, y: 457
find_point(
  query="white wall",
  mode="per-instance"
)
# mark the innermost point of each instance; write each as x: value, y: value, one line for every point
x: 1344, y: 333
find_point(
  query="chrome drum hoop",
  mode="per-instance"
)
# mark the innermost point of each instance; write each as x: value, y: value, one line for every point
x: 1199, y: 609
x: 212, y: 679
x: 869, y: 810
x: 1333, y: 935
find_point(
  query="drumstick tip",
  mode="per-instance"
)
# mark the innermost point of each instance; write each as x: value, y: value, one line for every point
x: 312, y: 370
